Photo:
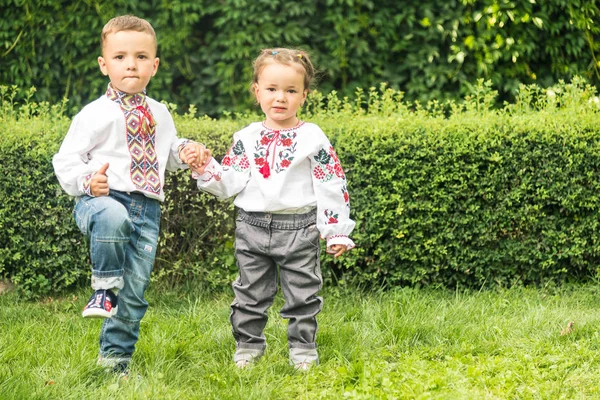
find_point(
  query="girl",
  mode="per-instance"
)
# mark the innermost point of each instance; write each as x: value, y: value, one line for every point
x: 290, y: 187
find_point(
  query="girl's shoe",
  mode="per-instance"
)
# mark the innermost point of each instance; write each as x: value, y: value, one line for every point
x: 303, y: 366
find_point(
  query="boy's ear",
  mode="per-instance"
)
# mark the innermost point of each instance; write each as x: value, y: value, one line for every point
x: 155, y: 66
x: 102, y: 65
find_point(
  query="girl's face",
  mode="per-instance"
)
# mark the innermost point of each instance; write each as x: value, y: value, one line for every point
x: 280, y: 92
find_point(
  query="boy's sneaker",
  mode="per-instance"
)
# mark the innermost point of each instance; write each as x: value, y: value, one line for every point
x: 102, y: 304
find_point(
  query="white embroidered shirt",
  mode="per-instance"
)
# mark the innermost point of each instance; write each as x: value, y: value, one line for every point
x: 116, y: 129
x: 288, y: 171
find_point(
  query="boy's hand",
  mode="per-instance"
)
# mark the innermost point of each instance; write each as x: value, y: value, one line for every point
x: 195, y: 155
x: 337, y: 249
x: 99, y: 183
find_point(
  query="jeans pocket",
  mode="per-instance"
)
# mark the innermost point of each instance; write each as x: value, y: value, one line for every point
x: 310, y: 235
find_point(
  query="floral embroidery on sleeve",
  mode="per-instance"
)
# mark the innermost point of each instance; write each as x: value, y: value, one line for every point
x: 328, y: 165
x: 332, y: 218
x: 236, y: 158
x: 346, y: 195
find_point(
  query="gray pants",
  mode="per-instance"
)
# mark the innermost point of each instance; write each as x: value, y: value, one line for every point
x: 264, y: 242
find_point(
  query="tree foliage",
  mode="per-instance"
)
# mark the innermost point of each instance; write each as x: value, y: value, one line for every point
x: 427, y: 49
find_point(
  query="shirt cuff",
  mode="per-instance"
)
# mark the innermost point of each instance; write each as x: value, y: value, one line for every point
x: 340, y: 239
x: 87, y: 182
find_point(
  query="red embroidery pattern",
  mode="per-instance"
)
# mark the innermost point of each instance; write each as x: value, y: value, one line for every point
x: 331, y: 217
x: 236, y: 158
x: 328, y: 165
x: 266, y: 156
x: 141, y: 139
x: 346, y: 195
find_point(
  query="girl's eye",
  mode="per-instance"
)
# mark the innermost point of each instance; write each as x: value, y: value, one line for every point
x: 292, y: 91
x: 271, y: 89
x: 141, y: 57
x: 119, y: 57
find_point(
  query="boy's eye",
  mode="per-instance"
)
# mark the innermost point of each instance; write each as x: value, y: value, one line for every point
x: 142, y: 57
x: 119, y: 57
x: 292, y: 91
x: 271, y: 89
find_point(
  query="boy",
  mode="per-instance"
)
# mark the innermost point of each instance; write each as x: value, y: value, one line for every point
x: 113, y: 160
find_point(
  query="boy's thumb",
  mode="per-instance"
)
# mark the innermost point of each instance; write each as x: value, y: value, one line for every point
x: 102, y: 170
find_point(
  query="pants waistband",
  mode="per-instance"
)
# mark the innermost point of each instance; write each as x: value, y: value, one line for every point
x: 278, y: 221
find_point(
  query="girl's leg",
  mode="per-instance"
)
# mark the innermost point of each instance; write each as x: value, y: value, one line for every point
x: 254, y: 290
x: 300, y: 277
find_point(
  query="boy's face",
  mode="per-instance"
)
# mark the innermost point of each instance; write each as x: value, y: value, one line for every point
x: 129, y: 59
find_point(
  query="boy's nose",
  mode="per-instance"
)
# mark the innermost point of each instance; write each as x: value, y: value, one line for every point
x: 131, y: 64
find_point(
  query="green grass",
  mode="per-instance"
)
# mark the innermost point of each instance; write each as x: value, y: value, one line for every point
x: 400, y: 344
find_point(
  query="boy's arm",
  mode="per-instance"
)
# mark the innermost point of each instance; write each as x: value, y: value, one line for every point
x: 72, y: 164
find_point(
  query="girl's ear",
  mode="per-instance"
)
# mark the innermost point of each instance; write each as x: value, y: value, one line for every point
x: 256, y: 91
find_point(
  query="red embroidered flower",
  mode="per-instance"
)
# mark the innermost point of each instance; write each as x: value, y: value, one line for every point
x: 318, y: 172
x: 332, y: 220
x: 226, y: 161
x: 338, y: 170
x: 265, y: 140
x: 287, y: 142
x: 333, y: 154
x: 346, y: 197
x: 329, y: 169
x: 285, y: 163
x: 244, y: 163
x: 259, y: 161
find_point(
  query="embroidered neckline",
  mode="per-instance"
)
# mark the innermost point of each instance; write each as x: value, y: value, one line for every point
x: 298, y: 125
x: 125, y: 100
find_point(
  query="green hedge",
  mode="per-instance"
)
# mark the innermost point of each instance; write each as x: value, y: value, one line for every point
x: 429, y: 49
x: 451, y: 194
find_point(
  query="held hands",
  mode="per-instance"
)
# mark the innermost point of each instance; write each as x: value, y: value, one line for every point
x: 196, y: 156
x: 99, y: 182
x: 337, y: 249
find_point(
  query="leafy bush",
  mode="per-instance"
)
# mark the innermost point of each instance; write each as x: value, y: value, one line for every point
x: 429, y: 49
x: 452, y: 194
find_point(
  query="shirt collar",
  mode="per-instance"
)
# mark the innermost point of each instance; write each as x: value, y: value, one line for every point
x: 125, y: 100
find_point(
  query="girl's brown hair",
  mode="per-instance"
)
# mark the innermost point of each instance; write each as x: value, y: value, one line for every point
x: 286, y: 56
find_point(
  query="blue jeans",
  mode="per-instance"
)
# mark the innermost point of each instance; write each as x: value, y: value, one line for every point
x: 123, y: 231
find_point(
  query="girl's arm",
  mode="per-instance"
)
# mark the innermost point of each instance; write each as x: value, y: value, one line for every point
x: 228, y: 178
x: 333, y: 201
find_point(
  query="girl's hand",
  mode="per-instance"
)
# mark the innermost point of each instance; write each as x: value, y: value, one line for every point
x: 195, y: 155
x: 337, y: 249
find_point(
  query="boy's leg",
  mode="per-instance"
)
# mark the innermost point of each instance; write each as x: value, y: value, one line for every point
x: 300, y: 277
x: 105, y: 221
x: 120, y: 333
x: 254, y: 290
